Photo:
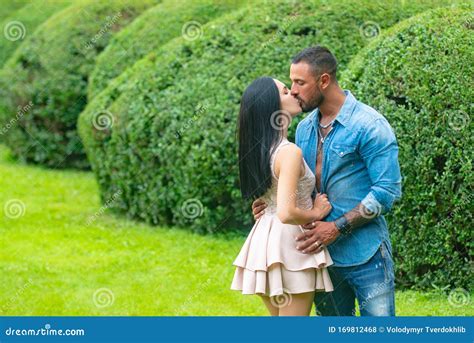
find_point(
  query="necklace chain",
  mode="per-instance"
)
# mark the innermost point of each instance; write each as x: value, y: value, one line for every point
x: 326, y: 126
x: 322, y: 138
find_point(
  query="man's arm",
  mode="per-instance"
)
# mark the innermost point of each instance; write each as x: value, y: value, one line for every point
x: 357, y: 217
x: 379, y: 151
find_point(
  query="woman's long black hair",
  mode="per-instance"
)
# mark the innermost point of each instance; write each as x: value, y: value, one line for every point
x: 257, y: 135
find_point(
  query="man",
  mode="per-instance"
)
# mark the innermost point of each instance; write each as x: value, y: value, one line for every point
x: 353, y: 152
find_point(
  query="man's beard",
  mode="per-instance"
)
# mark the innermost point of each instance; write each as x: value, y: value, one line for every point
x: 313, y: 103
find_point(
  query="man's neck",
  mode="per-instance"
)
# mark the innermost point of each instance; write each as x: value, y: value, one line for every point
x: 332, y: 105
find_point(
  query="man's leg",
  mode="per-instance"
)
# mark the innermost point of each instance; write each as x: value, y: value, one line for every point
x: 341, y: 301
x: 374, y: 284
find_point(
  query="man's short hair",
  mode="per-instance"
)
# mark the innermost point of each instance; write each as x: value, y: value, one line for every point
x: 320, y: 59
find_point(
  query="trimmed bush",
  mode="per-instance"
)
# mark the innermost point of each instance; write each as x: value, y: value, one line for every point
x: 23, y: 22
x: 169, y: 153
x: 152, y: 29
x: 420, y: 76
x: 43, y: 86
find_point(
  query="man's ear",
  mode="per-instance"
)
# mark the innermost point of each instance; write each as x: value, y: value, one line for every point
x: 325, y: 80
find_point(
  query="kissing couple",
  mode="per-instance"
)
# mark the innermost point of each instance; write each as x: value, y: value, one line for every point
x: 320, y: 234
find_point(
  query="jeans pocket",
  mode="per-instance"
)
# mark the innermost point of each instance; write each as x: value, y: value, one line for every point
x: 387, y: 262
x: 388, y: 248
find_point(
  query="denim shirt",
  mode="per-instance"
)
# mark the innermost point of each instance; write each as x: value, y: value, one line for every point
x: 359, y: 164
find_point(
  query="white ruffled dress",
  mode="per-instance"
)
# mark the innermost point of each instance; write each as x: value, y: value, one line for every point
x: 269, y: 263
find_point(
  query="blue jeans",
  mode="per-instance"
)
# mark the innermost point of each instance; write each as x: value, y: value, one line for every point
x: 372, y: 283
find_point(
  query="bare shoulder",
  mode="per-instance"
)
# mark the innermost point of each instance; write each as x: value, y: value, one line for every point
x: 290, y: 151
x: 291, y: 156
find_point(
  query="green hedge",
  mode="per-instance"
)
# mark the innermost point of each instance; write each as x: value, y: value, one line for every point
x: 43, y: 85
x: 170, y: 155
x: 8, y: 7
x: 420, y: 76
x: 152, y: 29
x: 23, y: 22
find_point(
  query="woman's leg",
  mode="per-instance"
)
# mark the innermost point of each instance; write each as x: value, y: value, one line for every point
x: 299, y: 305
x: 268, y: 303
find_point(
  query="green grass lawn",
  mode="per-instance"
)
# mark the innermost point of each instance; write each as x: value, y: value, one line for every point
x: 53, y: 263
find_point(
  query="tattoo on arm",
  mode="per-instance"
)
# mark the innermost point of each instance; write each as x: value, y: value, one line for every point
x: 359, y: 216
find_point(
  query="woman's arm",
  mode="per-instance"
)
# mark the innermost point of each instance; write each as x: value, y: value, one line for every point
x: 288, y: 170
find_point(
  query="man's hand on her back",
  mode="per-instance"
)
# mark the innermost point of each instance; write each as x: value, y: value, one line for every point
x: 258, y: 208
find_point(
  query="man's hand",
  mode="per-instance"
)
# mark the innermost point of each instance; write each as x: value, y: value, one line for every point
x: 258, y: 207
x: 314, y: 240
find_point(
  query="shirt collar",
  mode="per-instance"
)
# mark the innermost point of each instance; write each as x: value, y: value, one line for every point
x: 344, y: 113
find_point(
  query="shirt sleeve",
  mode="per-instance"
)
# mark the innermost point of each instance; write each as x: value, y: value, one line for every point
x: 379, y: 151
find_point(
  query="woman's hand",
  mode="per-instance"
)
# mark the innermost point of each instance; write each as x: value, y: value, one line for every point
x: 322, y: 206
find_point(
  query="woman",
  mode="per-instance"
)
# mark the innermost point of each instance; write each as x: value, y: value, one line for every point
x: 273, y: 169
